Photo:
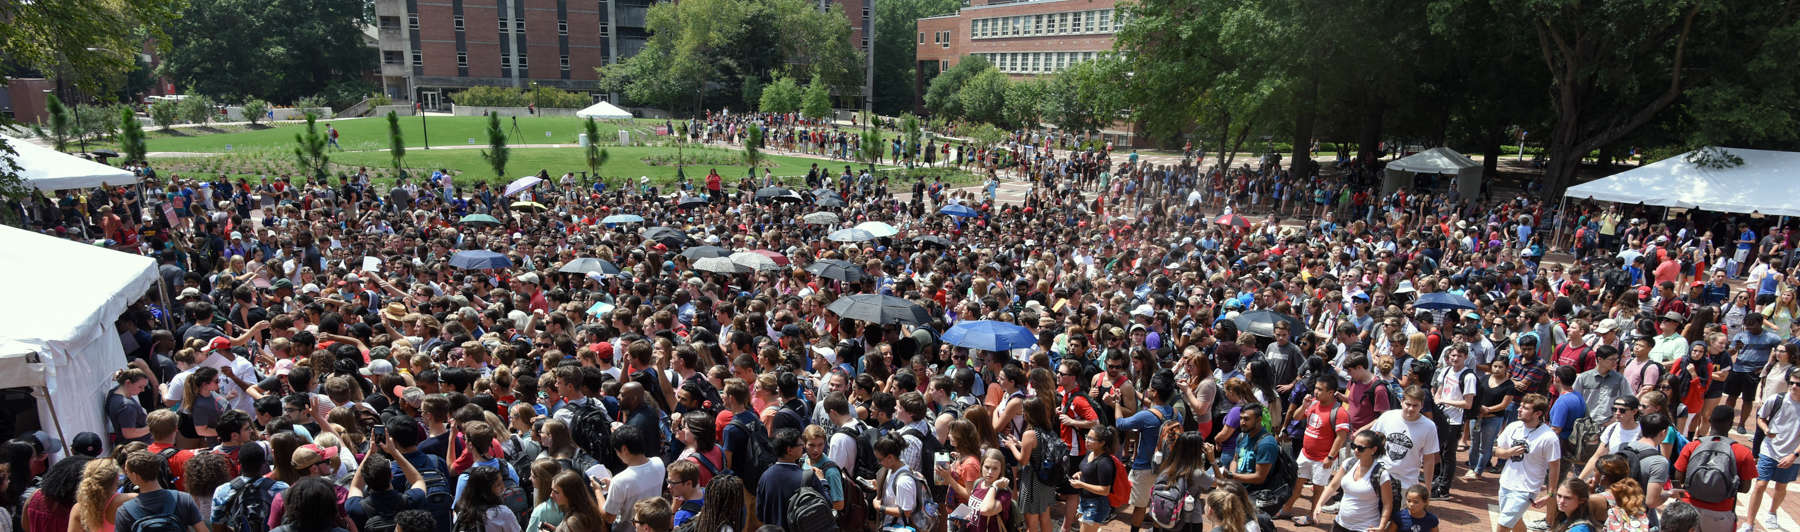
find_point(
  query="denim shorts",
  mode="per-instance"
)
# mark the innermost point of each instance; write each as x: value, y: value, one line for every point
x: 1512, y: 507
x: 1766, y: 470
x: 1096, y: 511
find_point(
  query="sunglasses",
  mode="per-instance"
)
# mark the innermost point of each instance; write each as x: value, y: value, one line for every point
x: 1617, y: 409
x: 1357, y: 447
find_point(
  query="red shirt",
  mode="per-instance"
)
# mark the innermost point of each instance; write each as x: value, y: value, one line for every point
x: 44, y: 513
x: 1746, y: 471
x: 1079, y: 409
x: 1319, y: 438
x: 177, y: 464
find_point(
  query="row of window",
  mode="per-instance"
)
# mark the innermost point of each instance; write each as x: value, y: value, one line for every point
x: 1036, y: 62
x: 1045, y: 24
x: 462, y: 60
x: 940, y: 38
x: 562, y: 26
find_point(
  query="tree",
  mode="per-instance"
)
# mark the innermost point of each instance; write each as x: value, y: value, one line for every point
x: 61, y: 122
x: 1024, y: 105
x: 986, y: 135
x: 942, y: 94
x: 497, y: 152
x: 280, y: 50
x: 753, y: 140
x: 753, y: 92
x: 131, y: 136
x: 88, y: 44
x: 701, y: 52
x: 165, y: 113
x: 94, y: 121
x: 1086, y: 97
x: 309, y: 149
x: 983, y: 98
x: 782, y: 96
x: 913, y: 135
x: 255, y: 109
x: 396, y: 143
x: 816, y: 103
x: 595, y: 155
x: 197, y: 109
x: 896, y: 51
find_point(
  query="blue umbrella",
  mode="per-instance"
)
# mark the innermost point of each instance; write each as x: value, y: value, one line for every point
x: 958, y: 209
x: 622, y: 219
x: 989, y: 335
x: 1443, y: 301
x: 479, y: 259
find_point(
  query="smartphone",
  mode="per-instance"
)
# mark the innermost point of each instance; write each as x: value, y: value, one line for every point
x: 379, y: 434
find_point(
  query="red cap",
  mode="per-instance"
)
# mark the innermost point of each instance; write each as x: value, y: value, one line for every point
x: 218, y: 343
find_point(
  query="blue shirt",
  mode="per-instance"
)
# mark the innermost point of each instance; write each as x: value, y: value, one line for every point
x: 1425, y: 523
x: 462, y: 481
x: 1745, y: 240
x: 1756, y: 350
x: 1568, y: 408
x: 1149, y: 428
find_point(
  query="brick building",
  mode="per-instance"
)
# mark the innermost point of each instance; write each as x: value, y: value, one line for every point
x: 432, y: 48
x: 1028, y: 38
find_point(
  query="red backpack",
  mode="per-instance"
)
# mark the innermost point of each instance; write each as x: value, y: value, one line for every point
x: 1120, y: 495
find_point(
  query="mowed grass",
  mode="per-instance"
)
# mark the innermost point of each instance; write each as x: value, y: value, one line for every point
x: 622, y: 161
x: 370, y: 133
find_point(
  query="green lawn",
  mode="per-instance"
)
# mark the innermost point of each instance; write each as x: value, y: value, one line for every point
x: 370, y: 133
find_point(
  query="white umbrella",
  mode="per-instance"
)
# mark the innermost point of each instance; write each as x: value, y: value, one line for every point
x: 520, y: 184
x: 754, y: 261
x: 821, y: 218
x: 720, y: 265
x: 850, y: 235
x: 879, y: 229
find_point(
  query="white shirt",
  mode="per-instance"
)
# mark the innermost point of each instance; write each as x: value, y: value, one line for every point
x: 1361, y: 506
x: 1527, y: 473
x: 635, y: 483
x: 901, y: 491
x: 1614, y: 437
x: 1452, y: 385
x: 1407, y: 445
x: 841, y: 448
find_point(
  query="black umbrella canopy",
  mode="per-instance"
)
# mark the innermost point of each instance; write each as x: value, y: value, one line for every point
x: 835, y: 269
x: 778, y: 193
x: 932, y: 240
x: 692, y: 202
x: 705, y: 252
x: 1262, y: 322
x: 666, y: 235
x: 880, y: 309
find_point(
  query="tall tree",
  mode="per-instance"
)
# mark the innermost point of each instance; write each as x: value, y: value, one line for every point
x: 753, y: 139
x: 396, y: 143
x: 1024, y: 105
x: 131, y: 136
x: 280, y: 50
x: 594, y: 154
x: 309, y: 149
x: 1086, y: 97
x: 815, y: 104
x: 941, y: 95
x: 781, y: 96
x: 983, y: 97
x: 896, y: 51
x: 89, y: 44
x: 497, y: 152
x: 62, y: 122
x: 701, y: 51
x: 869, y: 149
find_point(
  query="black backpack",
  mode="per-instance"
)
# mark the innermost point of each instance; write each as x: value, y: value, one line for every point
x: 865, y: 466
x: 1053, y: 469
x: 928, y: 445
x: 1102, y: 412
x: 147, y: 520
x: 758, y: 454
x: 808, y: 510
x: 247, y: 510
x: 168, y: 470
x: 592, y: 430
x: 1635, y: 456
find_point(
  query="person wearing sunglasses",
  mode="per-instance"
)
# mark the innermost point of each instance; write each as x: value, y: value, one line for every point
x: 1366, y: 486
x: 1779, y: 419
x: 1622, y: 430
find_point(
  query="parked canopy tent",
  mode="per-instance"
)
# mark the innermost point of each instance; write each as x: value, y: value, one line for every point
x: 603, y: 110
x: 1435, y: 161
x: 57, y: 336
x: 48, y: 169
x: 1766, y: 183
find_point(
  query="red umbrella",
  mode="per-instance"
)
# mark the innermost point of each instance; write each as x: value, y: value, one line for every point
x: 1233, y: 220
x: 780, y: 260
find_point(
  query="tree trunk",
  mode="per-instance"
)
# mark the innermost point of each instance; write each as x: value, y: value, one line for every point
x: 1224, y: 141
x: 1491, y: 144
x: 1300, y: 161
x: 1369, y: 139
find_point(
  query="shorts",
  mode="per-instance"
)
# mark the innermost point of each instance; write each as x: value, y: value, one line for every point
x: 1319, y: 472
x: 1512, y: 507
x: 1095, y: 510
x: 1767, y: 471
x: 1143, y: 481
x: 1740, y: 384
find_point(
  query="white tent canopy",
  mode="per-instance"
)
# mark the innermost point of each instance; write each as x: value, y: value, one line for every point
x: 603, y: 110
x: 56, y: 334
x: 48, y: 169
x: 1435, y: 161
x: 1766, y: 183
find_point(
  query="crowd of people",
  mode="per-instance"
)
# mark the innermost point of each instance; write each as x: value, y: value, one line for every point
x: 327, y: 358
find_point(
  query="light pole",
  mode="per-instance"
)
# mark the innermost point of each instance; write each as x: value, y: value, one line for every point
x: 425, y: 131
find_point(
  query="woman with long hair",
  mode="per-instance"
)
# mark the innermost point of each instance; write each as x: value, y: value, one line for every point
x: 311, y: 506
x: 544, y: 510
x: 1036, y: 493
x: 1780, y: 315
x: 700, y: 444
x: 49, y: 509
x: 281, y: 456
x: 97, y: 499
x: 559, y: 444
x: 1572, y: 502
x: 1742, y: 304
x: 993, y: 499
x: 1493, y: 396
x: 480, y: 509
x: 201, y: 405
x: 1237, y: 393
x: 572, y: 493
x: 724, y: 508
x: 1225, y: 511
x: 1366, y: 491
x: 1187, y: 466
x: 984, y: 428
x: 965, y: 467
x: 1200, y: 390
x: 1627, y: 512
x: 126, y: 415
x: 1095, y: 480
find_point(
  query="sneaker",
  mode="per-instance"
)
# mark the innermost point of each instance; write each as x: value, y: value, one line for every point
x: 1770, y: 522
x: 1740, y: 430
x: 1330, y: 508
x: 1537, y: 525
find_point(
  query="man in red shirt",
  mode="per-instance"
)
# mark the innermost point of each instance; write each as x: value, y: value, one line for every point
x: 163, y: 424
x: 1716, y: 515
x: 1077, y: 414
x: 1327, y: 428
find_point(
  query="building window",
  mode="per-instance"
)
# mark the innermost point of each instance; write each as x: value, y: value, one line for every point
x: 921, y: 37
x: 519, y: 24
x: 524, y: 61
x: 462, y: 60
x: 505, y: 61
x: 562, y: 27
x: 418, y: 59
x: 565, y: 62
x: 412, y: 21
x: 457, y: 22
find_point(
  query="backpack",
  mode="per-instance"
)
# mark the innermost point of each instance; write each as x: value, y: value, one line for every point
x: 519, y: 460
x: 244, y: 513
x: 438, y: 492
x: 927, y: 511
x: 1584, y: 439
x: 865, y: 466
x: 1101, y: 412
x: 1169, y: 504
x: 1387, y: 388
x: 1635, y: 456
x: 1053, y: 468
x: 168, y: 471
x: 1275, y: 489
x: 855, y: 515
x: 928, y: 445
x: 758, y: 455
x: 792, y: 416
x: 513, y: 496
x: 808, y: 510
x: 592, y: 430
x: 163, y: 521
x: 1120, y: 494
x: 1712, y: 471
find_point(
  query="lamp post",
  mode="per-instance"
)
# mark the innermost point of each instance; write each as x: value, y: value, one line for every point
x: 425, y: 131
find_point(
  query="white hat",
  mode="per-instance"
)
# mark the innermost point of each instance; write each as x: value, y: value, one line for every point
x: 1143, y: 310
x: 310, y: 288
x: 1405, y: 287
x: 189, y: 292
x: 527, y: 278
x: 237, y: 235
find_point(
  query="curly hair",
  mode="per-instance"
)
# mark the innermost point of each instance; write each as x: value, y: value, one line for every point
x: 205, y: 472
x: 99, y: 478
x: 63, y: 479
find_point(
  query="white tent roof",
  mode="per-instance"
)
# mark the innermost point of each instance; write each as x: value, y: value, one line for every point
x: 48, y: 169
x: 1767, y: 183
x: 603, y: 110
x: 1434, y: 161
x: 64, y: 297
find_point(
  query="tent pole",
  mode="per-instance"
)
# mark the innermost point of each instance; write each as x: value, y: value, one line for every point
x: 55, y: 419
x: 1560, y: 217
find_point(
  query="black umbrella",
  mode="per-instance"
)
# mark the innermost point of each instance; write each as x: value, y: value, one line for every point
x: 667, y: 236
x: 104, y: 152
x: 590, y: 265
x: 881, y: 309
x: 704, y: 252
x: 692, y: 202
x: 932, y: 240
x: 1262, y: 322
x: 778, y: 193
x: 841, y: 270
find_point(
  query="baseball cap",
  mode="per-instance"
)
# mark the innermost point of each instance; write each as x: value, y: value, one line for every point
x: 527, y: 278
x: 189, y: 292
x: 87, y: 444
x: 218, y: 343
x: 378, y: 367
x: 45, y: 441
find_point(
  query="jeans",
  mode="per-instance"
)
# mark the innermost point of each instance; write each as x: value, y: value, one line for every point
x: 1481, y: 456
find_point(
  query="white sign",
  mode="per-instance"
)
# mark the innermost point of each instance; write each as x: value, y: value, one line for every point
x: 371, y: 264
x: 624, y: 137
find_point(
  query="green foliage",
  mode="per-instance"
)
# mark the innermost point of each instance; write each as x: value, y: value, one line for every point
x: 942, y: 95
x: 165, y: 113
x: 913, y: 135
x: 1024, y: 106
x: 311, y: 102
x: 983, y: 97
x: 61, y: 122
x: 197, y: 109
x: 702, y: 51
x: 1086, y: 96
x: 815, y: 104
x: 95, y: 122
x: 131, y: 136
x: 985, y: 134
x: 12, y: 184
x: 396, y: 142
x: 280, y: 50
x: 379, y: 99
x: 896, y: 49
x: 546, y: 97
x: 87, y: 43
x: 782, y: 96
x: 593, y: 154
x: 491, y: 96
x: 753, y: 142
x: 255, y: 109
x: 870, y: 149
x: 309, y: 149
x: 497, y: 152
x: 753, y: 92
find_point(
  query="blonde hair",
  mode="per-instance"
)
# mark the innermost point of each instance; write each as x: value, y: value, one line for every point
x: 99, y: 479
x: 1417, y: 345
x: 1228, y: 509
